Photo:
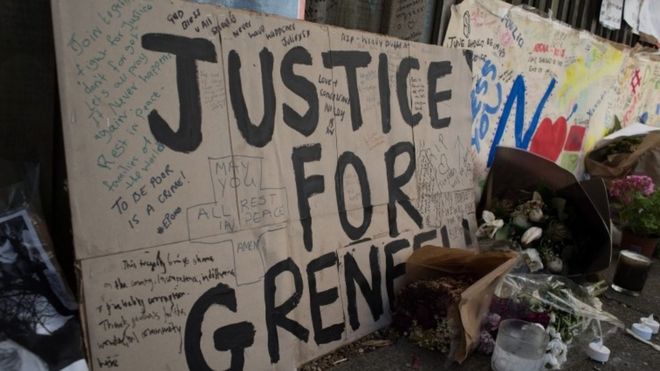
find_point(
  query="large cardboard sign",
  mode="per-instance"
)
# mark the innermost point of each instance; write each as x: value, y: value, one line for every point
x: 245, y: 188
x: 542, y: 86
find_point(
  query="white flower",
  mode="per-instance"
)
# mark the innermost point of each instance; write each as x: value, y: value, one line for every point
x: 490, y: 226
x: 556, y: 265
x: 531, y: 234
x: 533, y: 260
x: 550, y: 362
x: 558, y: 349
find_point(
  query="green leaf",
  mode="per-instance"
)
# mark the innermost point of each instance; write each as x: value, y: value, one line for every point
x: 642, y: 215
x: 502, y: 233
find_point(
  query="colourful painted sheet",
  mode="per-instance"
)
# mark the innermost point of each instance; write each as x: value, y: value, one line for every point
x: 542, y: 86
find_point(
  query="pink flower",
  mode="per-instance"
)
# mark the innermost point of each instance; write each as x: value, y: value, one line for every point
x: 492, y: 322
x: 486, y: 343
x: 623, y: 190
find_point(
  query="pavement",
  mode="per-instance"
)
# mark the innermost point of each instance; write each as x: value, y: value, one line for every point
x: 627, y: 353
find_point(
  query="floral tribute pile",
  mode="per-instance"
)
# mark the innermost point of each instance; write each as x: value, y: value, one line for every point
x: 567, y: 312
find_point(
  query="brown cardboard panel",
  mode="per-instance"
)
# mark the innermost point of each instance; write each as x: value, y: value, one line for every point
x: 279, y: 60
x: 442, y: 146
x: 368, y: 133
x: 228, y: 248
x: 114, y: 72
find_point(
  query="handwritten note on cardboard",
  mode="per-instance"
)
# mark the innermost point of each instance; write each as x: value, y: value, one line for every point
x: 246, y: 188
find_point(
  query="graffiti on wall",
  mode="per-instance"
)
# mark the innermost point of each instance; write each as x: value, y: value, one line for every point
x: 541, y: 86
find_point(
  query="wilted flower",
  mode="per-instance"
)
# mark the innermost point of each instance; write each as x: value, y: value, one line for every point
x: 549, y: 257
x: 624, y: 189
x: 532, y: 209
x: 535, y: 215
x: 490, y: 226
x: 531, y: 234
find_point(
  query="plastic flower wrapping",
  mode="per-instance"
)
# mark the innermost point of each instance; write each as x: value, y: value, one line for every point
x: 572, y: 318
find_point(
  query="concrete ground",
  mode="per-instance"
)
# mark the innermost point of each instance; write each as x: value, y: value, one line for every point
x: 627, y: 353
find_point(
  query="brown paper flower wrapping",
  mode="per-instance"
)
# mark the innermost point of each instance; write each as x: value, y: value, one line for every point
x: 430, y: 262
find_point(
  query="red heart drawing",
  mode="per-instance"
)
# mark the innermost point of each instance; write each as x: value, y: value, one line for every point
x: 549, y: 138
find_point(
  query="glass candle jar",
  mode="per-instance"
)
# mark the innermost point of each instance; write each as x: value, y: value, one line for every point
x: 520, y: 346
x: 632, y: 269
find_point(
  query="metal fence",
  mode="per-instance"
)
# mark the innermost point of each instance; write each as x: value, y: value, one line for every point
x: 581, y: 14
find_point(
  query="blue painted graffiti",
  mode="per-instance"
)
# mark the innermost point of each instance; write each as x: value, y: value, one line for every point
x: 517, y: 96
x: 481, y: 109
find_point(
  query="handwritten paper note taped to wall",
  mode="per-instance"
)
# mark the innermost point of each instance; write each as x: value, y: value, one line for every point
x: 245, y: 188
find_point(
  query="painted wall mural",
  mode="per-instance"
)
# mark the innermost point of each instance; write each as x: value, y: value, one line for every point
x: 542, y: 86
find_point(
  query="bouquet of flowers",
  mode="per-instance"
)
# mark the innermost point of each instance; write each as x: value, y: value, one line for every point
x: 534, y: 225
x: 567, y: 312
x: 424, y: 311
x: 446, y: 296
x: 540, y: 208
x: 614, y: 158
x: 637, y: 203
